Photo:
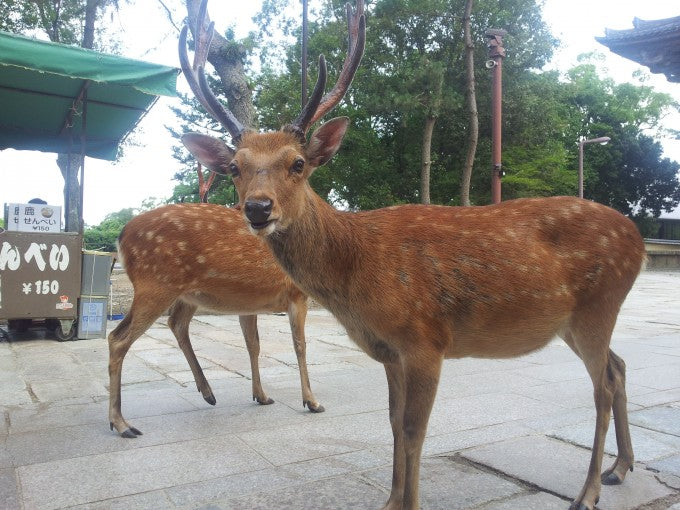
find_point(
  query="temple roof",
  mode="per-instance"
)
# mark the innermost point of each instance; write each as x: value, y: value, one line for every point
x: 651, y: 43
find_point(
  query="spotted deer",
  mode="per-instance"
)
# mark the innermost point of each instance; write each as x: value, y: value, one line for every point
x: 186, y: 256
x: 415, y: 284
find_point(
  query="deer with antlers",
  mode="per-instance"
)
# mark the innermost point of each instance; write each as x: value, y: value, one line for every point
x: 416, y: 284
x: 174, y: 260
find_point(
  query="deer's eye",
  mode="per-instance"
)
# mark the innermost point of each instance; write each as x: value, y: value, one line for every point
x: 233, y: 169
x: 298, y: 165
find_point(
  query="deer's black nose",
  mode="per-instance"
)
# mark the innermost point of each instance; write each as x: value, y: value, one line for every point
x: 258, y: 211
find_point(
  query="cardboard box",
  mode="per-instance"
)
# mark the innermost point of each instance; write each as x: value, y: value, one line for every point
x: 33, y: 218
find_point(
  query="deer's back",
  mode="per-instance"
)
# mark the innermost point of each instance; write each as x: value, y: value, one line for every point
x: 203, y: 253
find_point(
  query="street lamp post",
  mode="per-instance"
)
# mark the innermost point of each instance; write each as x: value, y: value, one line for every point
x: 601, y: 140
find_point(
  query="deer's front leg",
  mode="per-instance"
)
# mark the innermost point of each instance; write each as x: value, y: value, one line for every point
x: 421, y: 377
x: 395, y: 385
x: 297, y: 313
x: 249, y: 328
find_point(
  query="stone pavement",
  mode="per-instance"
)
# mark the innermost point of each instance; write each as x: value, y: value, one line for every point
x: 503, y: 434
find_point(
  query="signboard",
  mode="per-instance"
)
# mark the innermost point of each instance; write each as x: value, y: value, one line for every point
x: 39, y: 275
x: 33, y: 218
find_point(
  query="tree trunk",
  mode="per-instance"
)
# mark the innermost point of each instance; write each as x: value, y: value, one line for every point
x: 426, y: 163
x: 473, y: 133
x: 227, y: 59
x: 70, y: 166
x: 90, y: 17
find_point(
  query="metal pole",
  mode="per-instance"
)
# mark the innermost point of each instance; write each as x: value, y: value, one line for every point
x: 83, y: 143
x: 496, y: 53
x: 603, y: 140
x: 304, y: 53
x: 580, y: 169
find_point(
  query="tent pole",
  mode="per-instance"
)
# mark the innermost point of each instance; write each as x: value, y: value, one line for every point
x: 83, y: 142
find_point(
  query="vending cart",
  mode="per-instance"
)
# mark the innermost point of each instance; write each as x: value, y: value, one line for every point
x: 66, y: 100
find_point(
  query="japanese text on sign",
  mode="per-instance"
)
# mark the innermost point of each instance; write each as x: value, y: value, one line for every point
x: 57, y: 256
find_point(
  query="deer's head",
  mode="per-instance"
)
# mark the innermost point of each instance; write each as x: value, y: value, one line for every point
x: 271, y: 170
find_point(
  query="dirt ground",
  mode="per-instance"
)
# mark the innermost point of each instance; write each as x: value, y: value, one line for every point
x: 121, y: 292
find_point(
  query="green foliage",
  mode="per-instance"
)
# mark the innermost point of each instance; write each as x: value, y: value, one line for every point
x: 61, y: 20
x: 103, y: 237
x: 629, y: 173
x: 647, y: 225
x: 413, y: 68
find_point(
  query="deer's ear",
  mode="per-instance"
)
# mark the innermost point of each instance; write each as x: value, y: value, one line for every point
x: 326, y: 141
x: 211, y: 152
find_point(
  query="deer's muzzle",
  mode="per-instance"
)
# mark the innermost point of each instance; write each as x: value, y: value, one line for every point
x: 257, y: 212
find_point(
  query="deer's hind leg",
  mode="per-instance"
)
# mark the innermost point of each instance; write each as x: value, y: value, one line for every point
x: 145, y: 309
x: 589, y: 335
x: 625, y: 458
x: 181, y: 314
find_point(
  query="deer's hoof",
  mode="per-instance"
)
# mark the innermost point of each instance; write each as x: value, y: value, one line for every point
x: 611, y: 479
x: 318, y: 408
x: 578, y: 506
x: 131, y: 433
x: 265, y: 401
x: 210, y: 400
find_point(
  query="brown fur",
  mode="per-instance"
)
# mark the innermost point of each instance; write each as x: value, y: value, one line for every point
x: 414, y: 285
x: 187, y: 256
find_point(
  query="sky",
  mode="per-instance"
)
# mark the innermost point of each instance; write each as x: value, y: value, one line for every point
x: 147, y: 168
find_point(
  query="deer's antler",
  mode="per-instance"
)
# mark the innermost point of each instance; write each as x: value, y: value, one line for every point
x: 318, y: 106
x: 195, y: 75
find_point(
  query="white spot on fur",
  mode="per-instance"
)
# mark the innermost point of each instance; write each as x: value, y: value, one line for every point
x: 200, y: 259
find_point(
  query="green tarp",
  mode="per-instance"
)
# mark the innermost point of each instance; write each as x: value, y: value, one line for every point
x: 40, y: 83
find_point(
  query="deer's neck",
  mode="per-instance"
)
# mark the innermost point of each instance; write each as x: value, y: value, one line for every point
x: 319, y: 251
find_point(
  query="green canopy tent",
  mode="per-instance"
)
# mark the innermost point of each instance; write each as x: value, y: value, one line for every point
x: 50, y: 94
x: 71, y: 100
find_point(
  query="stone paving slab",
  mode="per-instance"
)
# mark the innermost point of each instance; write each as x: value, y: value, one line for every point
x: 662, y: 418
x: 669, y: 465
x: 450, y: 485
x: 648, y: 445
x: 9, y: 493
x: 560, y: 468
x: 503, y: 433
x: 538, y: 501
x: 59, y: 484
x: 349, y: 492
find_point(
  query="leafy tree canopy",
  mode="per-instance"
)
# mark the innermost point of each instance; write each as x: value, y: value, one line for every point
x: 410, y: 45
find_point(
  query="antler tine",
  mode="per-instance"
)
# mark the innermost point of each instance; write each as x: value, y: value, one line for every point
x: 223, y: 115
x: 202, y: 36
x: 302, y: 123
x: 195, y: 76
x: 356, y: 28
x: 189, y: 72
